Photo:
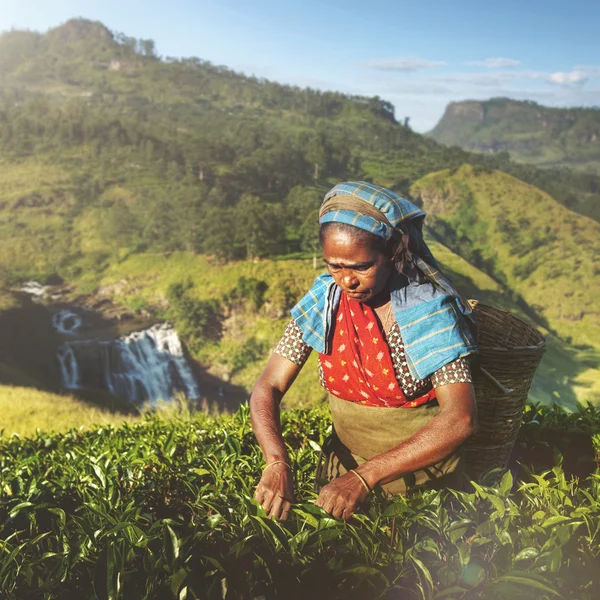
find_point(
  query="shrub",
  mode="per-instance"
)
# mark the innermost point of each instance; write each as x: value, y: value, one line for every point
x: 196, y: 320
x: 248, y: 290
x: 164, y: 509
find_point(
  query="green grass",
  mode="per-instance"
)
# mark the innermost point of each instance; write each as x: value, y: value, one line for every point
x: 567, y: 375
x: 542, y: 250
x: 24, y: 410
x: 544, y: 253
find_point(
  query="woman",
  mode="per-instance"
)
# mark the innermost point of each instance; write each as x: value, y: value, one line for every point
x: 393, y: 337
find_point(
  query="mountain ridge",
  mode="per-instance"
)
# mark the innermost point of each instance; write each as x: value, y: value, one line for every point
x: 530, y: 132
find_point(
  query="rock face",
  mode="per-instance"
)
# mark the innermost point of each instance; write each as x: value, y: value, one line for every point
x: 528, y: 131
x: 469, y: 111
x: 76, y: 30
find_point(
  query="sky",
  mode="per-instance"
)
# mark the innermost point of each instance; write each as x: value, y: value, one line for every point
x: 419, y: 55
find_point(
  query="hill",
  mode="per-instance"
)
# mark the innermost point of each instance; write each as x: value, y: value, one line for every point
x: 107, y: 150
x: 530, y: 132
x: 251, y: 300
x: 115, y: 160
x: 522, y: 238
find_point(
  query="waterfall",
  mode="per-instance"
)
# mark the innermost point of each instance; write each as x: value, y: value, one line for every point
x: 66, y: 322
x: 145, y: 365
x: 69, y: 370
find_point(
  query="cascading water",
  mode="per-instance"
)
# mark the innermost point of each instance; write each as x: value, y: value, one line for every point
x: 66, y: 322
x: 143, y: 366
x: 69, y: 371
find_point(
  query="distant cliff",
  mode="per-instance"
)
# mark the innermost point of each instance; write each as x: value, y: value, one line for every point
x: 531, y: 133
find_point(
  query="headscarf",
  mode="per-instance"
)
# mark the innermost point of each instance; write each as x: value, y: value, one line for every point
x: 430, y: 312
x: 387, y: 215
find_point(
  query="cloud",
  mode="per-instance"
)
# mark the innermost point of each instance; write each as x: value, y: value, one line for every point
x: 495, y: 63
x: 404, y: 64
x: 488, y: 79
x: 424, y: 94
x: 590, y: 70
x: 576, y: 77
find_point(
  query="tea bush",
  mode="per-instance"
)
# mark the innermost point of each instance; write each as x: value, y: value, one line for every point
x: 164, y: 509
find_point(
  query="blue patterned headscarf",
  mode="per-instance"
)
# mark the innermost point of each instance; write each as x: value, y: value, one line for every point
x: 395, y: 209
x: 430, y: 312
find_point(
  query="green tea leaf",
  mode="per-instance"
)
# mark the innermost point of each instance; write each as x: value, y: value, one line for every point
x: 527, y: 554
x: 529, y: 580
x: 171, y: 545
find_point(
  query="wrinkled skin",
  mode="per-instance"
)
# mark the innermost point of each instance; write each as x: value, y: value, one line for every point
x: 359, y: 270
x: 275, y: 491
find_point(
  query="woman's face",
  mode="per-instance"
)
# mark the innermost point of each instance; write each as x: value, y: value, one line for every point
x: 360, y: 270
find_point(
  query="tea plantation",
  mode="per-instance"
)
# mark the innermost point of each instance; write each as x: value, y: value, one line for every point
x: 163, y: 509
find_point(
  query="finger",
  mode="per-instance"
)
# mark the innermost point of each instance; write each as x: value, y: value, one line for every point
x: 289, y: 498
x: 327, y: 506
x: 276, y: 507
x: 347, y: 513
x: 259, y: 495
x: 337, y: 511
x: 285, y: 509
x: 326, y: 499
x: 267, y: 501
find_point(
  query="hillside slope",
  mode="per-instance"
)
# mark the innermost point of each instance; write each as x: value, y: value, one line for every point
x: 530, y: 132
x: 112, y: 157
x: 250, y: 329
x: 106, y: 150
x: 25, y: 410
x: 541, y: 250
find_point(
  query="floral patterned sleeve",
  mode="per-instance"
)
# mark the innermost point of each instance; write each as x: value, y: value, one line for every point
x: 457, y: 371
x: 292, y: 346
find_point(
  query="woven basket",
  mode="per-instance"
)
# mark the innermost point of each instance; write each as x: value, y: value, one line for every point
x: 510, y: 351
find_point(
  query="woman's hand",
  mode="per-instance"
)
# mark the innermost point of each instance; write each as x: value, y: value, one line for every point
x: 343, y: 496
x: 275, y: 491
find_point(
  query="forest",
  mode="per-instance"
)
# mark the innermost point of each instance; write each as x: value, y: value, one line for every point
x: 175, y: 154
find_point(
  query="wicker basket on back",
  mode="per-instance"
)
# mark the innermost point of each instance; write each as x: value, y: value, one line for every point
x: 510, y: 351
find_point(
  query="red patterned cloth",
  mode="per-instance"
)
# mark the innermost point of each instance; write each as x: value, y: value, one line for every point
x: 359, y: 368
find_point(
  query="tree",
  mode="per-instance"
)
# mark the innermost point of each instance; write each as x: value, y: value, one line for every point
x: 160, y: 229
x: 317, y: 156
x: 148, y: 48
x: 260, y: 226
x: 216, y: 232
x: 120, y: 228
x: 309, y: 234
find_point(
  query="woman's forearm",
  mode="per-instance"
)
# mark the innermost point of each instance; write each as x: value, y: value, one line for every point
x: 266, y: 396
x: 443, y: 435
x: 266, y: 423
x: 438, y: 439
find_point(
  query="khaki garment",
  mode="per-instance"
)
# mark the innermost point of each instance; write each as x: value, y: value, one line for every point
x: 362, y: 432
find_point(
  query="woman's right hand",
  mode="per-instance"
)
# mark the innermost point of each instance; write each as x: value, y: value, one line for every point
x: 275, y: 491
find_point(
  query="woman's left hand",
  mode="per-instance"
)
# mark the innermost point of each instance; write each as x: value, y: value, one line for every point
x: 343, y: 496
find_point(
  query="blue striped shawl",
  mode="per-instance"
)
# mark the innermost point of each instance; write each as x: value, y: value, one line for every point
x: 433, y: 328
x: 432, y: 315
